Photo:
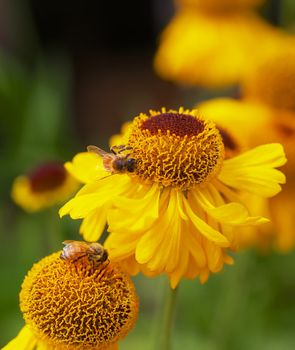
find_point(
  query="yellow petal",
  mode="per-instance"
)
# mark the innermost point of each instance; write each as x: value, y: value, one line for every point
x: 79, y: 207
x: 93, y: 224
x: 206, y: 230
x: 135, y: 214
x: 25, y: 340
x: 196, y: 249
x: 86, y: 167
x: 214, y: 256
x: 156, y: 244
x: 231, y: 213
x: 94, y: 196
x: 253, y: 171
x: 121, y: 246
x: 176, y: 275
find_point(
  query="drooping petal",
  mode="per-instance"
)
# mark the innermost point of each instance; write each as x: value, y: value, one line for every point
x: 93, y: 225
x: 25, y: 340
x: 253, y: 171
x: 130, y: 265
x: 230, y: 213
x: 206, y: 230
x: 179, y: 272
x: 94, y: 196
x: 214, y: 256
x: 122, y: 245
x: 196, y: 250
x: 154, y: 246
x: 137, y: 212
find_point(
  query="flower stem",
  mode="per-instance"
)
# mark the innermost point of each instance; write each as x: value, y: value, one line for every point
x: 168, y: 318
x: 54, y: 236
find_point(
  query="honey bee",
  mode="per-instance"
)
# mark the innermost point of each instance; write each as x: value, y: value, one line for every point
x: 116, y: 162
x: 75, y: 250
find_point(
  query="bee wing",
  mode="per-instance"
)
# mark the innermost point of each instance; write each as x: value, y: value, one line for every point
x: 97, y: 150
x: 75, y: 243
x: 68, y: 241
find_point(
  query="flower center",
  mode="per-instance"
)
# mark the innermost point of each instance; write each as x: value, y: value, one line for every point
x: 70, y: 306
x: 178, y: 149
x: 177, y: 124
x: 47, y: 177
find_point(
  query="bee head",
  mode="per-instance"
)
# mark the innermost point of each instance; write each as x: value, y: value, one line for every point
x: 105, y: 256
x: 130, y: 165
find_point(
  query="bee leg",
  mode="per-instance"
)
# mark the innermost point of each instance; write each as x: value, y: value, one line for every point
x: 117, y: 148
x: 126, y: 148
x: 113, y: 149
x: 120, y: 148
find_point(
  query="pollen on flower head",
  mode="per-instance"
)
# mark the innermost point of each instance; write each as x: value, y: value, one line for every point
x: 175, y: 148
x: 71, y: 306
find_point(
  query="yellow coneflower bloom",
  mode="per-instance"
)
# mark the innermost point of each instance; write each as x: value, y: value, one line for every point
x: 44, y: 186
x: 256, y: 123
x: 176, y: 212
x: 210, y: 47
x: 69, y: 305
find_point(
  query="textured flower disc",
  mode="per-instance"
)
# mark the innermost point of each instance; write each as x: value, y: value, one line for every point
x: 68, y: 305
x: 47, y: 177
x: 175, y: 148
x: 46, y: 185
x: 273, y: 81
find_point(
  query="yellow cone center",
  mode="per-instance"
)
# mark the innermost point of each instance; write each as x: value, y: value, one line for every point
x: 178, y: 149
x: 70, y: 306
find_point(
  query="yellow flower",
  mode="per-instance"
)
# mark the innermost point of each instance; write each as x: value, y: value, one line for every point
x: 271, y: 81
x: 45, y: 186
x: 212, y: 48
x: 68, y: 305
x: 177, y: 212
x: 253, y: 124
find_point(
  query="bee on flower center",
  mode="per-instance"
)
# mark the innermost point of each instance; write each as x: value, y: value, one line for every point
x: 75, y: 250
x: 117, y: 162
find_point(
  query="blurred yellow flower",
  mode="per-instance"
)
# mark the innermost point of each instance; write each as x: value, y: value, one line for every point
x: 213, y: 43
x: 69, y: 306
x: 45, y: 186
x: 272, y: 79
x: 178, y: 210
x: 254, y: 123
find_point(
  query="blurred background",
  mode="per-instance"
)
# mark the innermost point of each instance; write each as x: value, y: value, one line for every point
x: 70, y: 74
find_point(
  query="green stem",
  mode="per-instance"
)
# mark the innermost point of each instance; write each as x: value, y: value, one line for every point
x: 54, y: 236
x: 167, y: 320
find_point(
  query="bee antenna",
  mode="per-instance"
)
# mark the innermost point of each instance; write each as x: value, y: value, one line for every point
x: 106, y: 176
